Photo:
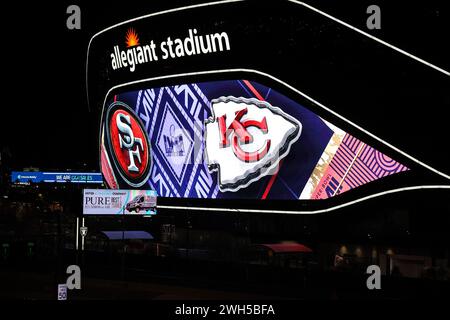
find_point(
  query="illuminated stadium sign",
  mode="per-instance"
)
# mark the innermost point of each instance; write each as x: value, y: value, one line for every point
x: 231, y: 139
x: 170, y: 48
x: 53, y: 177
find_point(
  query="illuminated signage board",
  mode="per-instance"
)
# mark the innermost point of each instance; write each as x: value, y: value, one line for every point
x: 119, y: 202
x: 193, y: 44
x: 53, y: 177
x: 232, y: 139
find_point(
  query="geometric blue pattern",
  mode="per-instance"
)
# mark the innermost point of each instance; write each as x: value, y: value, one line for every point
x: 177, y: 110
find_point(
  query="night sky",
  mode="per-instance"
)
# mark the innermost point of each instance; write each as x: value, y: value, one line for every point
x: 45, y: 119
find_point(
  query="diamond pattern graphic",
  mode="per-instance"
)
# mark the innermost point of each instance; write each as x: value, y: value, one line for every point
x: 173, y: 117
x: 173, y: 135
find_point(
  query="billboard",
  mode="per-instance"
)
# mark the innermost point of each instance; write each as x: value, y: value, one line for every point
x: 119, y: 202
x: 230, y: 139
x: 53, y: 177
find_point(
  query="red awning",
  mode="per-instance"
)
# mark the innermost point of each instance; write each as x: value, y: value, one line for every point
x: 287, y: 247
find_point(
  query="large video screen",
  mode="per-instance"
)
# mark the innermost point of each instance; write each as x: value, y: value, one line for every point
x: 232, y: 139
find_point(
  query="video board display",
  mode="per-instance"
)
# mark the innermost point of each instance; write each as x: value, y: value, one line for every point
x: 232, y: 139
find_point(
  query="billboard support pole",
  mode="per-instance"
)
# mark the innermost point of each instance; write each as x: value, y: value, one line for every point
x: 77, y: 231
x: 82, y: 238
x: 122, y: 273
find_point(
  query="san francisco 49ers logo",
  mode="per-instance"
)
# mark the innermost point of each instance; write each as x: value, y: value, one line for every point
x: 127, y: 145
x: 245, y: 140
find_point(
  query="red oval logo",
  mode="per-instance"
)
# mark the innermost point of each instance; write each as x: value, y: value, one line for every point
x: 129, y: 144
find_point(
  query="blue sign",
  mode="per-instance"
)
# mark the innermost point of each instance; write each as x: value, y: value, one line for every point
x: 52, y: 177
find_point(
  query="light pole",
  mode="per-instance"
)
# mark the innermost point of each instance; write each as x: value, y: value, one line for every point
x: 123, y: 245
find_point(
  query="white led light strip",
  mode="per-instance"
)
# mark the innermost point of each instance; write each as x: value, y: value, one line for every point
x: 304, y: 211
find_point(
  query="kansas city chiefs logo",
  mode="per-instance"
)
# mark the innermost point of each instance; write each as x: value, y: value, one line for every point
x: 246, y: 139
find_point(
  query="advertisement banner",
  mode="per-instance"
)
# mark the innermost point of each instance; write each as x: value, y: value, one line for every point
x: 117, y: 202
x: 52, y: 177
x: 233, y: 139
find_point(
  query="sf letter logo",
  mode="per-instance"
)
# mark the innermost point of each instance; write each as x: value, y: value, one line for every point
x: 127, y: 140
x: 127, y: 151
x: 246, y: 139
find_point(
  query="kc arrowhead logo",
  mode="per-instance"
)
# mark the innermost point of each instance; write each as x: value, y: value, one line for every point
x: 246, y: 139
